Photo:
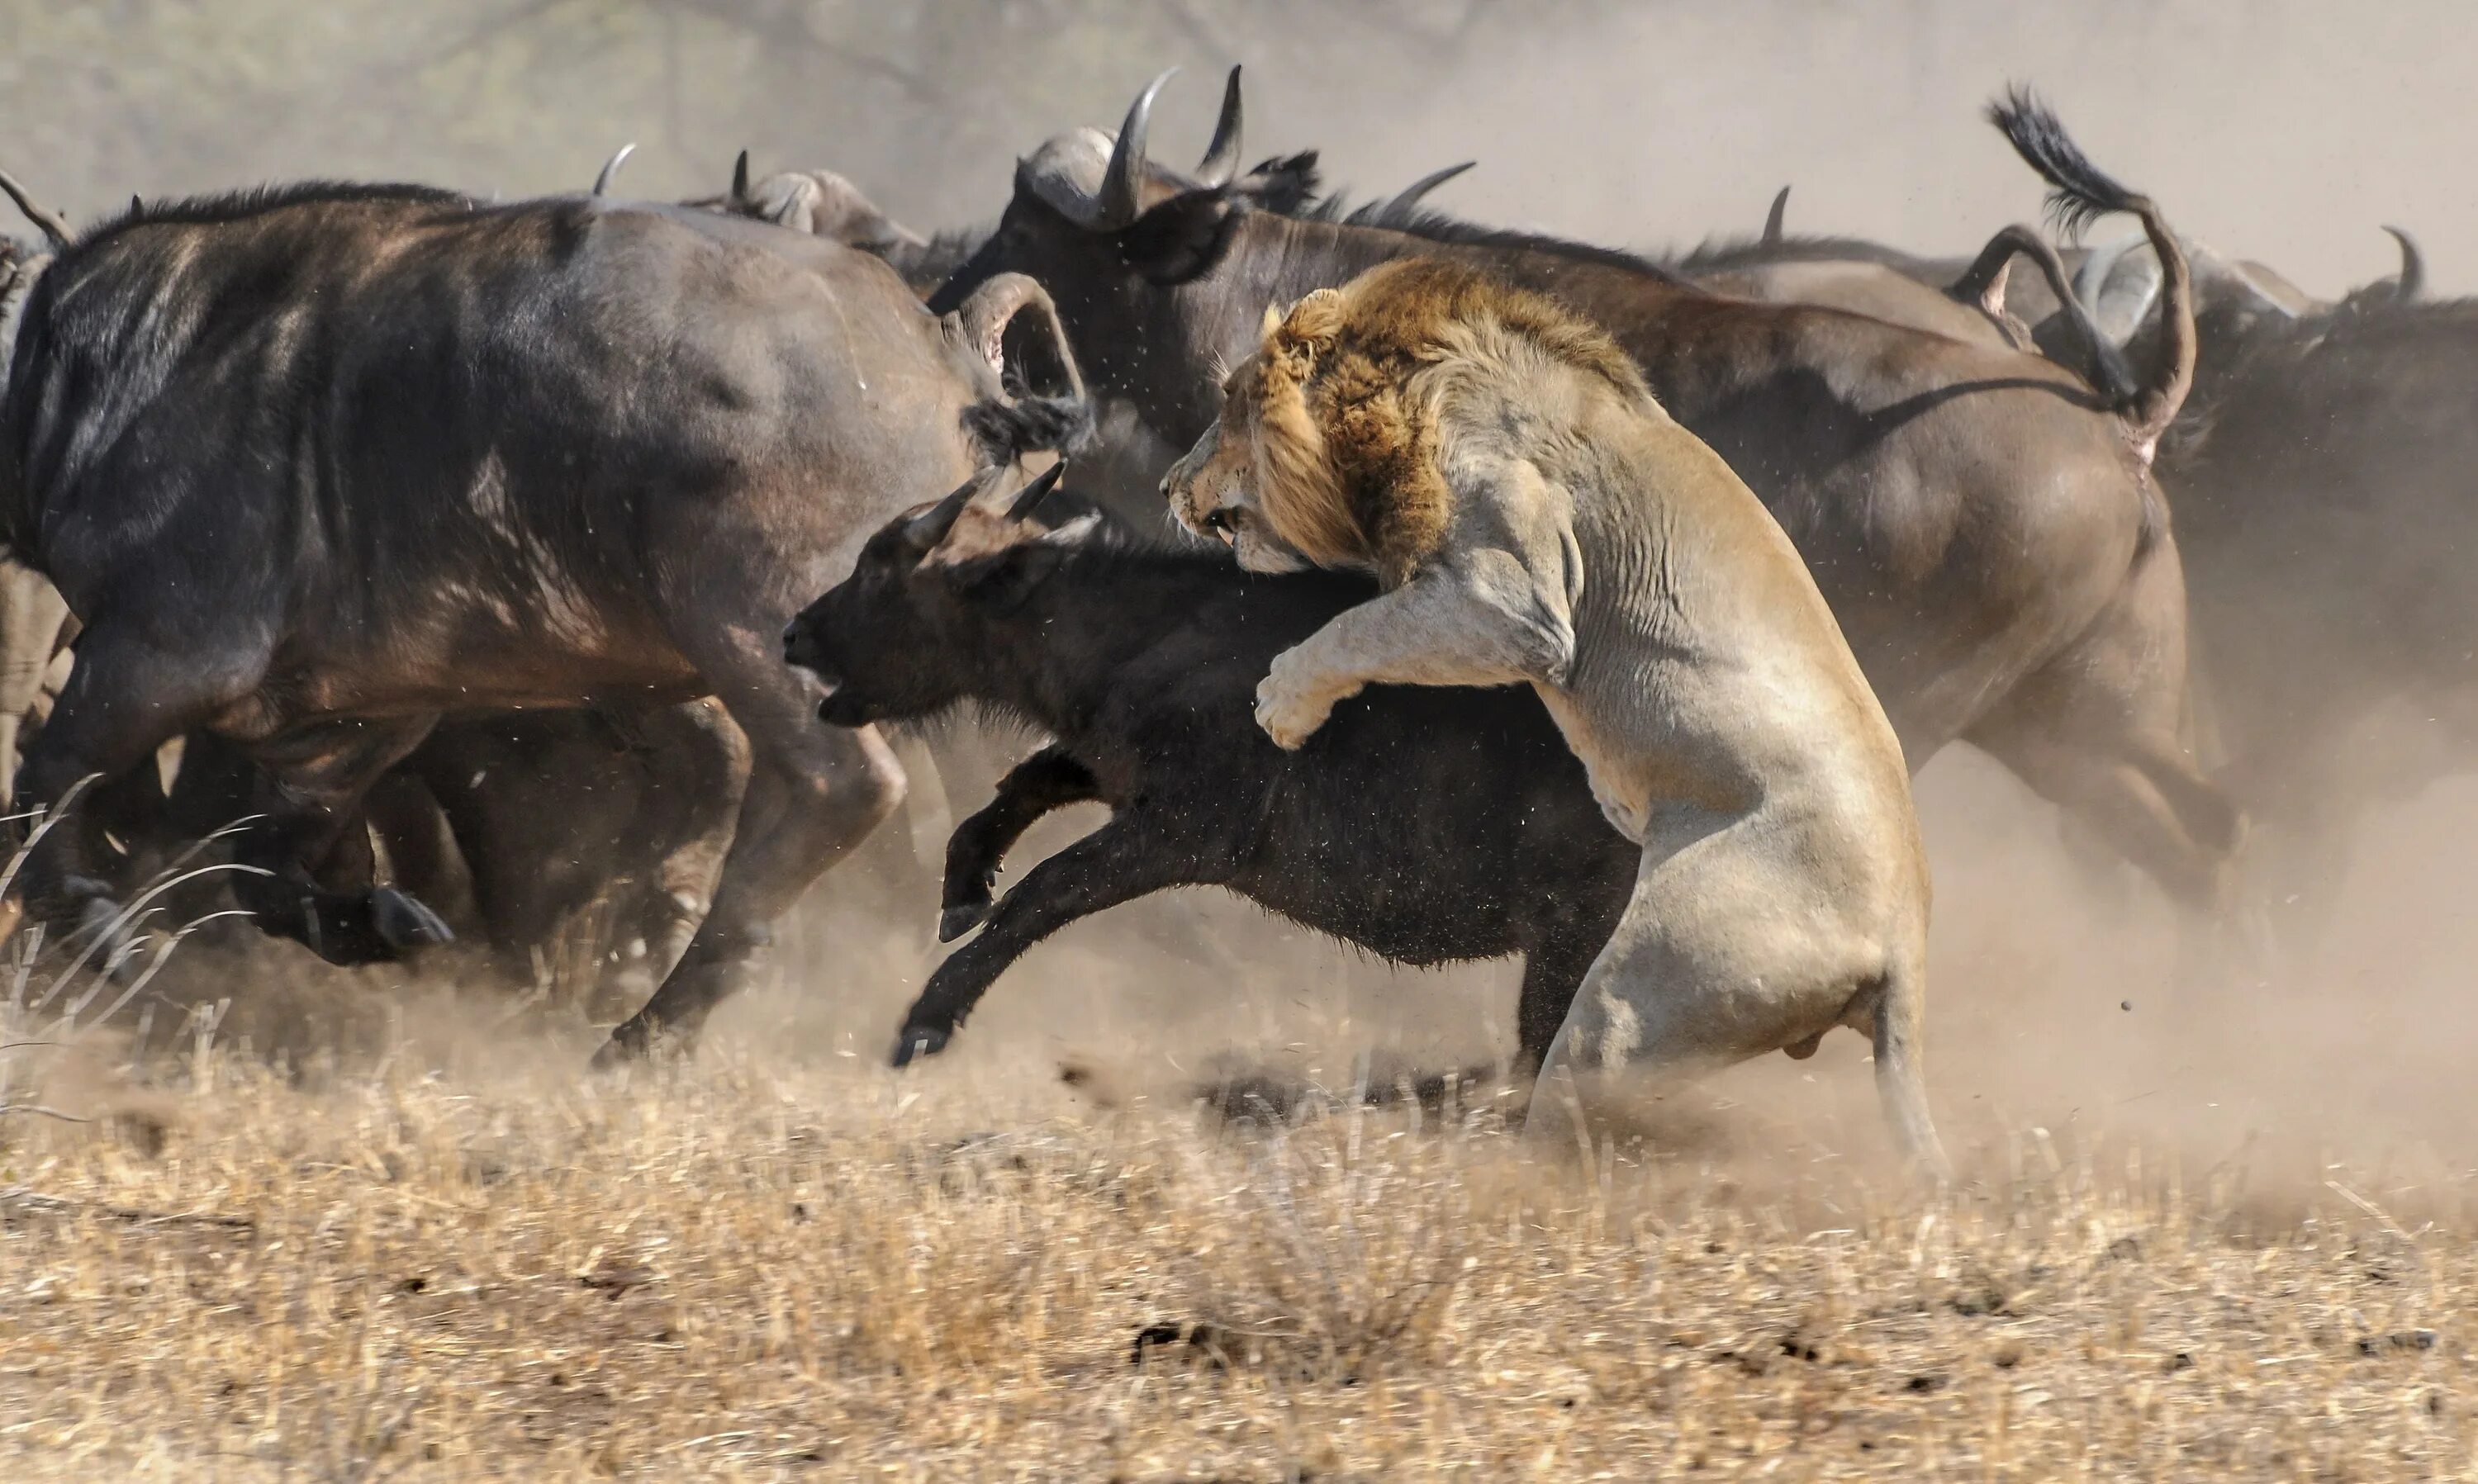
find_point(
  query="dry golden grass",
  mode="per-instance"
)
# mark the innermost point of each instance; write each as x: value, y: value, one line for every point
x: 372, y: 1231
x: 735, y: 1268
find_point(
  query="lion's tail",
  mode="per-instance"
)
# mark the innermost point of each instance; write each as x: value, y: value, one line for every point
x: 1901, y: 1073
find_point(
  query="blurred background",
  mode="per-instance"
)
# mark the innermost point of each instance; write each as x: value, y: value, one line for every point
x: 2284, y: 130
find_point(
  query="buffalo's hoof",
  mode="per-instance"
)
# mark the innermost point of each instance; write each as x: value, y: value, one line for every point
x: 919, y: 1041
x: 405, y: 924
x: 99, y: 925
x: 961, y: 918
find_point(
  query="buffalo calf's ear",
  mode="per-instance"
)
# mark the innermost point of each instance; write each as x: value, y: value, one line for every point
x: 1183, y: 239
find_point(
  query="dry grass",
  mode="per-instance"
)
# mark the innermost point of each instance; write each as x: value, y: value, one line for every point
x: 735, y: 1268
x: 365, y: 1230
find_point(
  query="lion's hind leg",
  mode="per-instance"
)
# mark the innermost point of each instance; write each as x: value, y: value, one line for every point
x: 1726, y: 951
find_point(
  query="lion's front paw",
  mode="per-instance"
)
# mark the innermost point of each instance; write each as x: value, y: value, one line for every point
x: 1289, y: 714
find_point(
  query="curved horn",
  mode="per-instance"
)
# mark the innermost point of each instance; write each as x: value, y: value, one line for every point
x: 2413, y: 270
x: 1409, y: 195
x: 1123, y: 184
x: 1220, y: 166
x: 611, y: 169
x: 1029, y: 499
x: 51, y: 223
x: 930, y: 527
x: 985, y: 315
x: 1773, y: 219
x: 740, y: 178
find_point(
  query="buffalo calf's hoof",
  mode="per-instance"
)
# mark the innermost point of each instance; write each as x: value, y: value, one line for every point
x: 961, y: 918
x: 919, y: 1041
x: 405, y: 924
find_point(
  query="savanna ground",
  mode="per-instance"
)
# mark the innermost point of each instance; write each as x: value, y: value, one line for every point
x: 367, y: 1230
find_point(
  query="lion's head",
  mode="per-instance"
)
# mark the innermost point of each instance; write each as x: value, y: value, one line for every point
x: 1320, y: 457
x: 1327, y: 449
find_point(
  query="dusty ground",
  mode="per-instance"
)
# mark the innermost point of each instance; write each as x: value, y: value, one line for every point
x: 738, y: 1270
x: 368, y: 1229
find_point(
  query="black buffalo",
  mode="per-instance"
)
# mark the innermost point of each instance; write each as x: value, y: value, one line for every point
x: 1427, y: 826
x: 316, y: 465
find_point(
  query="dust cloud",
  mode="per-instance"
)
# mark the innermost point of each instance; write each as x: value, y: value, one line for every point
x: 2286, y: 132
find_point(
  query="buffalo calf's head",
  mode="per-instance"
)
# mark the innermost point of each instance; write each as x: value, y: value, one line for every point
x: 926, y: 606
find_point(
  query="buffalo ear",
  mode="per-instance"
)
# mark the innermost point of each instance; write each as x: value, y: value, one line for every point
x: 1181, y: 240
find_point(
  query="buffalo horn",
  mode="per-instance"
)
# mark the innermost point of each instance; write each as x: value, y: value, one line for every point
x: 1029, y: 499
x: 1410, y: 195
x: 2412, y: 271
x: 611, y: 169
x: 1122, y: 184
x: 740, y: 178
x: 930, y: 527
x: 1773, y: 218
x: 1220, y: 166
x: 984, y: 318
x: 52, y: 225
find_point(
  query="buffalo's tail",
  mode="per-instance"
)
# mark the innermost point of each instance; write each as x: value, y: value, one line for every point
x: 1982, y: 285
x: 1004, y: 431
x: 2080, y: 192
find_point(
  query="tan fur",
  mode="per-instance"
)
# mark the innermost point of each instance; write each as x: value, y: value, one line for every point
x: 1536, y: 518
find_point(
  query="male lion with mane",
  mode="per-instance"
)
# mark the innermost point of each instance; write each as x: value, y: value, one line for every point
x: 1536, y: 517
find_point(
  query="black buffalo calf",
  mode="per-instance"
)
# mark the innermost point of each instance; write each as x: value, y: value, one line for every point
x: 1425, y: 825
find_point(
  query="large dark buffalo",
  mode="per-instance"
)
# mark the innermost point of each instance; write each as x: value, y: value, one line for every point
x: 316, y: 465
x: 2327, y: 494
x: 1984, y: 524
x: 1425, y: 825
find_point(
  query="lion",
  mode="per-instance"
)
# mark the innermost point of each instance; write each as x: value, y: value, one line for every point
x: 1534, y: 516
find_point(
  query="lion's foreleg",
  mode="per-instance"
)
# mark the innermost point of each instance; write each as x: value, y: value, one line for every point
x: 1478, y: 620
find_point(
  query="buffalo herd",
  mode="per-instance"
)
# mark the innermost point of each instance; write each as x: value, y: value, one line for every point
x: 362, y: 538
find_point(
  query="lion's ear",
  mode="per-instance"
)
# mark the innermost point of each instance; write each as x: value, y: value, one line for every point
x: 1306, y: 332
x: 1271, y: 322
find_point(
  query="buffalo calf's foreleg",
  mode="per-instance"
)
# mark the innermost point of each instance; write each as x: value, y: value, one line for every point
x: 1049, y: 779
x: 1114, y: 863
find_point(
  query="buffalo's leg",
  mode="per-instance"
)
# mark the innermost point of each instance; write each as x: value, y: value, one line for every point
x: 31, y: 616
x: 129, y: 693
x: 308, y: 794
x: 1114, y: 863
x: 814, y: 792
x: 1049, y: 779
x: 672, y: 848
x: 2101, y: 731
